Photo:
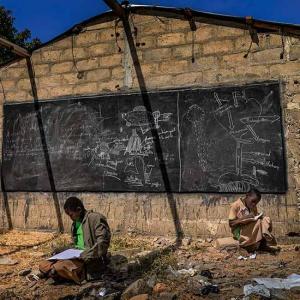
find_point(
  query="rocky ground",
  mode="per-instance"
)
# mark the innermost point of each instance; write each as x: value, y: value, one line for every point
x: 145, y: 267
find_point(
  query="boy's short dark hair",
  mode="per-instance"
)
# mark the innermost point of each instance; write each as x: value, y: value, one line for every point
x: 255, y: 192
x: 72, y: 203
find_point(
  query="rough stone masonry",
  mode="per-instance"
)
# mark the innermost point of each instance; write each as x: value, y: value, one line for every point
x: 164, y: 47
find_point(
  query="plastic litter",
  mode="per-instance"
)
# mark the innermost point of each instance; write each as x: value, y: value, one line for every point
x: 191, y: 272
x: 211, y: 288
x: 252, y: 256
x: 102, y: 292
x: 291, y: 281
x: 32, y: 278
x: 266, y: 284
x: 206, y: 273
x: 183, y: 272
x: 259, y: 290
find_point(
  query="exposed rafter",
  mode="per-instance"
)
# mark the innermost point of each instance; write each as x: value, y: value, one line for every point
x: 260, y: 26
x: 14, y: 48
x: 115, y: 7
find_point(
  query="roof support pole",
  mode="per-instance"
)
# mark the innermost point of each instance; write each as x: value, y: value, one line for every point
x: 23, y: 53
x: 5, y: 200
x: 252, y: 30
x: 37, y: 109
x: 123, y: 14
x: 14, y: 48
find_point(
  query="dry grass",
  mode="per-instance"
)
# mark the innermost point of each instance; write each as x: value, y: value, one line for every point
x: 161, y: 264
x: 126, y: 242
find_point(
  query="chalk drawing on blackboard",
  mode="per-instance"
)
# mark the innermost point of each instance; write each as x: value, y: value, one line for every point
x: 133, y: 181
x: 230, y: 115
x: 218, y: 139
x: 134, y: 145
x: 196, y: 116
x: 107, y: 173
x: 139, y: 117
x: 130, y: 166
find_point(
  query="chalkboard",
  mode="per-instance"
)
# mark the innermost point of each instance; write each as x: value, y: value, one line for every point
x: 224, y: 139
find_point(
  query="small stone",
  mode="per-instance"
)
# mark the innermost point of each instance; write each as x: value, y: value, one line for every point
x: 159, y: 288
x: 136, y: 288
x: 226, y: 243
x: 209, y: 240
x: 24, y: 272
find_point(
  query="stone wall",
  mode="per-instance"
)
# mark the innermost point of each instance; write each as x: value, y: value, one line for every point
x: 165, y: 48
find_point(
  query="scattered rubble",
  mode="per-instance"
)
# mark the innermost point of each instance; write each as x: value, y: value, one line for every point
x: 153, y: 269
x: 138, y: 287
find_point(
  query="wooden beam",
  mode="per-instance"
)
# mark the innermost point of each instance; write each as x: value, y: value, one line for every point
x: 115, y: 7
x: 45, y: 148
x: 14, y: 48
x: 123, y: 14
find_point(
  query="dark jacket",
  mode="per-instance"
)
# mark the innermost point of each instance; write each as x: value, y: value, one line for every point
x: 96, y: 234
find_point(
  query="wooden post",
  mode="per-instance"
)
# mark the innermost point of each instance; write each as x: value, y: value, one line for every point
x: 23, y: 53
x: 123, y: 14
x: 14, y: 48
x: 44, y: 144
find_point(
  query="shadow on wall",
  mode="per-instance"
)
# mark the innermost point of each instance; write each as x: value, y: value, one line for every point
x: 154, y: 132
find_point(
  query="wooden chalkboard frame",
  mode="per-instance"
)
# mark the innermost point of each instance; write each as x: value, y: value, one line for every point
x: 162, y: 91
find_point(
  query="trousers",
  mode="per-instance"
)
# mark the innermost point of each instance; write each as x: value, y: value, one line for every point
x: 71, y: 269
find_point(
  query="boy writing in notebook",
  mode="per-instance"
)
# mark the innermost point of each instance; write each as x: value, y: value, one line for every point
x: 251, y: 229
x: 91, y: 234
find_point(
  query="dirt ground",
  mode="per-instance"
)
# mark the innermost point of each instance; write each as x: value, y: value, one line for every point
x: 229, y: 273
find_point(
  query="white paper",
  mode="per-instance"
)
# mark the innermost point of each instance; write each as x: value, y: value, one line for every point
x: 258, y: 216
x: 67, y: 254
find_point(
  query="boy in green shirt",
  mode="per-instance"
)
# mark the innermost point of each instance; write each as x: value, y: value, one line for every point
x: 90, y: 233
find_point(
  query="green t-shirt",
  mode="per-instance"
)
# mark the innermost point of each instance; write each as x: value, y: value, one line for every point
x: 79, y: 241
x: 236, y: 232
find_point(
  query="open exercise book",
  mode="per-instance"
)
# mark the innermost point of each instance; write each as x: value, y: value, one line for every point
x: 67, y: 254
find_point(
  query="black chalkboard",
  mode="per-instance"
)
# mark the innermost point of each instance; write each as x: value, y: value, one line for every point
x: 225, y: 139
